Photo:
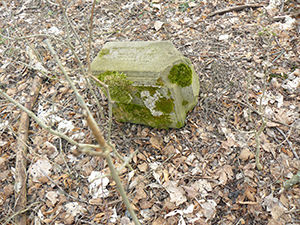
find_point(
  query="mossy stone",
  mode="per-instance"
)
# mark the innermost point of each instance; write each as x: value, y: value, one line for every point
x: 150, y: 83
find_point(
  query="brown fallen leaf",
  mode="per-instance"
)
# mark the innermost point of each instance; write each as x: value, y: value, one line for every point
x: 156, y: 142
x: 176, y: 193
x: 224, y: 174
x: 140, y: 194
x: 246, y: 154
x: 191, y: 191
x: 143, y: 167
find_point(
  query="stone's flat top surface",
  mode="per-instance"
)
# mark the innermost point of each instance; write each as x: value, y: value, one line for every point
x: 136, y: 56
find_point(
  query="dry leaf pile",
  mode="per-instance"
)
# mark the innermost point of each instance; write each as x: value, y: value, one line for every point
x: 247, y: 58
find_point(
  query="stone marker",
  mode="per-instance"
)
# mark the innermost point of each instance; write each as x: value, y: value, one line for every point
x: 151, y: 83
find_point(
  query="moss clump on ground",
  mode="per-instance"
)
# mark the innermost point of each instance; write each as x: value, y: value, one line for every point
x: 181, y: 75
x: 119, y: 87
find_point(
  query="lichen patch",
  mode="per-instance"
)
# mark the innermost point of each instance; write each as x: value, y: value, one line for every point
x: 150, y: 102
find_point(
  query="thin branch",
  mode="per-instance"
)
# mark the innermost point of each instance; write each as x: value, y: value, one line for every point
x: 294, y: 180
x: 71, y: 25
x: 77, y: 95
x: 234, y: 8
x: 257, y: 139
x: 34, y: 36
x: 119, y: 156
x: 110, y: 119
x: 128, y: 159
x: 90, y: 38
x: 119, y: 185
x: 21, y: 162
x: 289, y: 143
x: 17, y: 213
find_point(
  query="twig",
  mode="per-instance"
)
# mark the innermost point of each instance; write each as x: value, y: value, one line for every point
x: 90, y: 39
x: 286, y: 138
x: 119, y: 156
x: 247, y: 95
x: 69, y: 22
x: 21, y: 162
x: 34, y: 36
x: 234, y: 8
x: 69, y: 44
x: 61, y: 189
x: 80, y: 64
x: 281, y: 53
x: 63, y: 157
x: 257, y: 153
x: 109, y: 104
x: 294, y: 180
x: 52, y: 3
x: 263, y: 125
x: 17, y: 213
x: 110, y: 119
x: 126, y: 162
x: 106, y: 150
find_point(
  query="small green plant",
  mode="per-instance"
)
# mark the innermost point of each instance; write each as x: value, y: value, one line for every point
x: 266, y: 32
x: 183, y: 6
x: 49, y: 14
x: 2, y: 40
x: 276, y: 75
x: 294, y: 67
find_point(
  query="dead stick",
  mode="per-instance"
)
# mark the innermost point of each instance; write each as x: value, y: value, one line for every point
x: 21, y: 162
x: 234, y: 8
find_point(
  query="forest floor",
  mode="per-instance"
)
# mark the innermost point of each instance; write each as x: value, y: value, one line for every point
x: 247, y: 60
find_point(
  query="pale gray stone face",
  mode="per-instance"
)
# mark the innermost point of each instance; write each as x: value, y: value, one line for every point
x: 150, y: 101
x: 161, y: 83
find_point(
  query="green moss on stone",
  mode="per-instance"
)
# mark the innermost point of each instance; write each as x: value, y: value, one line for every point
x: 119, y: 87
x: 181, y: 74
x: 179, y: 124
x: 140, y: 114
x: 152, y: 90
x: 169, y: 92
x: 159, y: 82
x: 125, y: 109
x: 184, y: 103
x: 103, y: 52
x: 165, y: 105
